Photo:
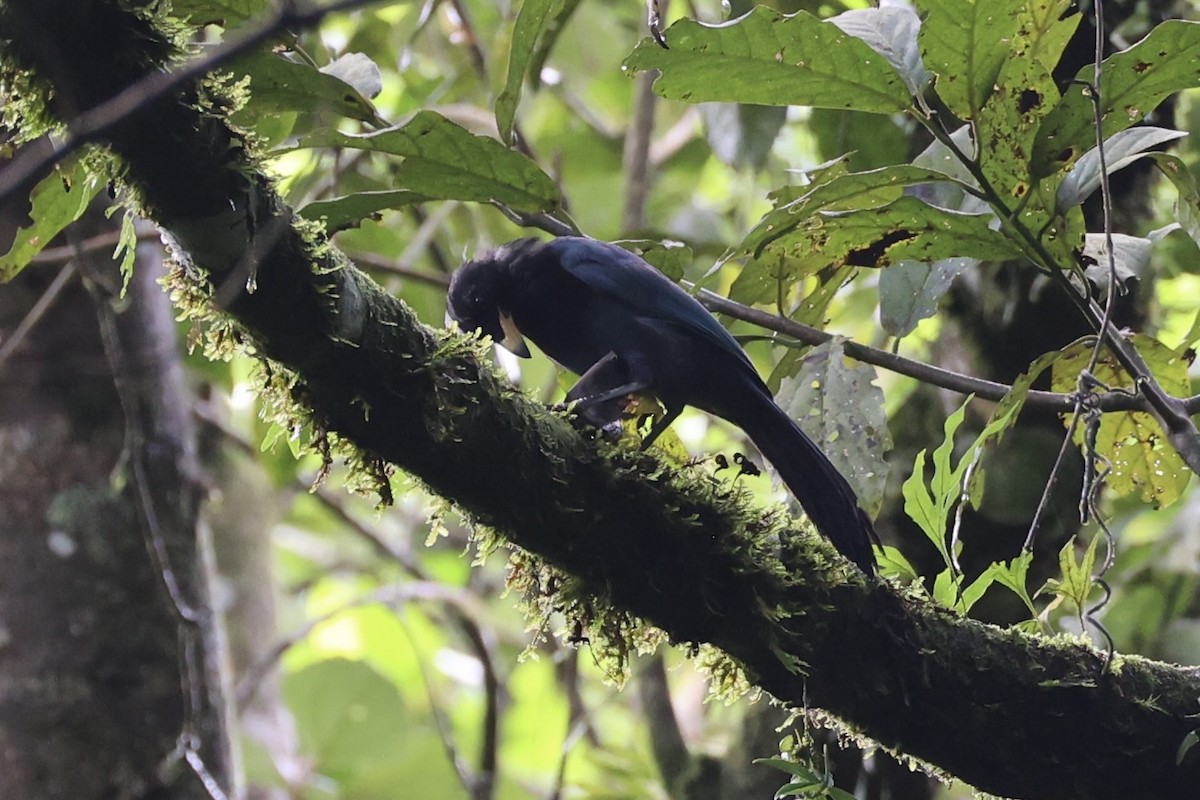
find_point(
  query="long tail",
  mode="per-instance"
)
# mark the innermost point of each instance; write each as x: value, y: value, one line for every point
x: 814, y: 481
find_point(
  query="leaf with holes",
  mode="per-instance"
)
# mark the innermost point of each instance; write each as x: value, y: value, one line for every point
x: 1131, y: 443
x: 965, y: 43
x: 1187, y: 199
x: 1134, y: 82
x: 907, y: 228
x: 841, y: 409
x: 773, y: 59
x: 834, y: 190
x: 1044, y: 28
x: 1008, y: 123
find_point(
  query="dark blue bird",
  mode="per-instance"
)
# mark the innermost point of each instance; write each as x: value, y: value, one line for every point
x: 606, y: 315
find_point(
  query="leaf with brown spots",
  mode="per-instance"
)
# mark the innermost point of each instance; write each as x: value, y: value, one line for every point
x: 1135, y: 81
x: 1134, y: 445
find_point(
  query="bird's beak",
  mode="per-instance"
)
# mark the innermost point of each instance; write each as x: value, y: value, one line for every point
x: 513, y: 341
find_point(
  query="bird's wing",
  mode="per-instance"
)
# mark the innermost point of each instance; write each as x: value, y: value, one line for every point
x: 618, y: 273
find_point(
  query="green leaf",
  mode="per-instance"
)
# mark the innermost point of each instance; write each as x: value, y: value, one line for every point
x: 770, y: 58
x: 945, y: 588
x: 908, y: 228
x: 790, y: 767
x: 58, y: 200
x: 893, y: 564
x: 445, y: 161
x: 1007, y: 124
x: 1134, y: 82
x: 1120, y: 150
x: 348, y: 211
x: 545, y: 43
x: 1189, y: 741
x: 965, y: 43
x: 1015, y: 575
x: 929, y: 505
x: 869, y: 141
x: 1045, y: 28
x: 970, y: 595
x: 218, y: 12
x: 280, y: 85
x: 1077, y: 576
x: 891, y: 32
x: 531, y: 22
x: 1187, y: 201
x: 836, y: 190
x: 840, y: 408
x: 669, y: 258
x: 909, y: 291
x: 126, y: 250
x: 1135, y: 447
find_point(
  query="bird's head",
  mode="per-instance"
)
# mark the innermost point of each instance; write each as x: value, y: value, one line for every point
x: 477, y: 299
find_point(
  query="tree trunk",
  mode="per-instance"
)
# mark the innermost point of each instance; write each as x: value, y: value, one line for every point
x: 100, y: 679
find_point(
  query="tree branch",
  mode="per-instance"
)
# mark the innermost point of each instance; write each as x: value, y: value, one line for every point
x: 926, y: 373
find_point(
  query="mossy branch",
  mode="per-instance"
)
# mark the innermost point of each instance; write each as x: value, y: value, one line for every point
x: 1012, y: 714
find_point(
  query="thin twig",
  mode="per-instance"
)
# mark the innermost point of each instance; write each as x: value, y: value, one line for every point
x: 39, y: 309
x: 380, y: 264
x: 94, y: 244
x: 926, y: 373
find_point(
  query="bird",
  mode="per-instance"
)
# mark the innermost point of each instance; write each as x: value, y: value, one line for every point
x: 606, y: 315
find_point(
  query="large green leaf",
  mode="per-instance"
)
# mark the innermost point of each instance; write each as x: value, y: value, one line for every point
x: 1045, y: 26
x: 58, y: 200
x: 1007, y: 124
x: 965, y: 43
x: 907, y: 228
x: 278, y: 84
x: 349, y: 210
x: 834, y: 190
x: 1134, y: 82
x: 445, y: 161
x: 770, y: 58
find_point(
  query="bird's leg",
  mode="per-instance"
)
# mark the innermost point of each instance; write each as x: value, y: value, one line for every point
x: 661, y: 426
x: 605, y: 381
